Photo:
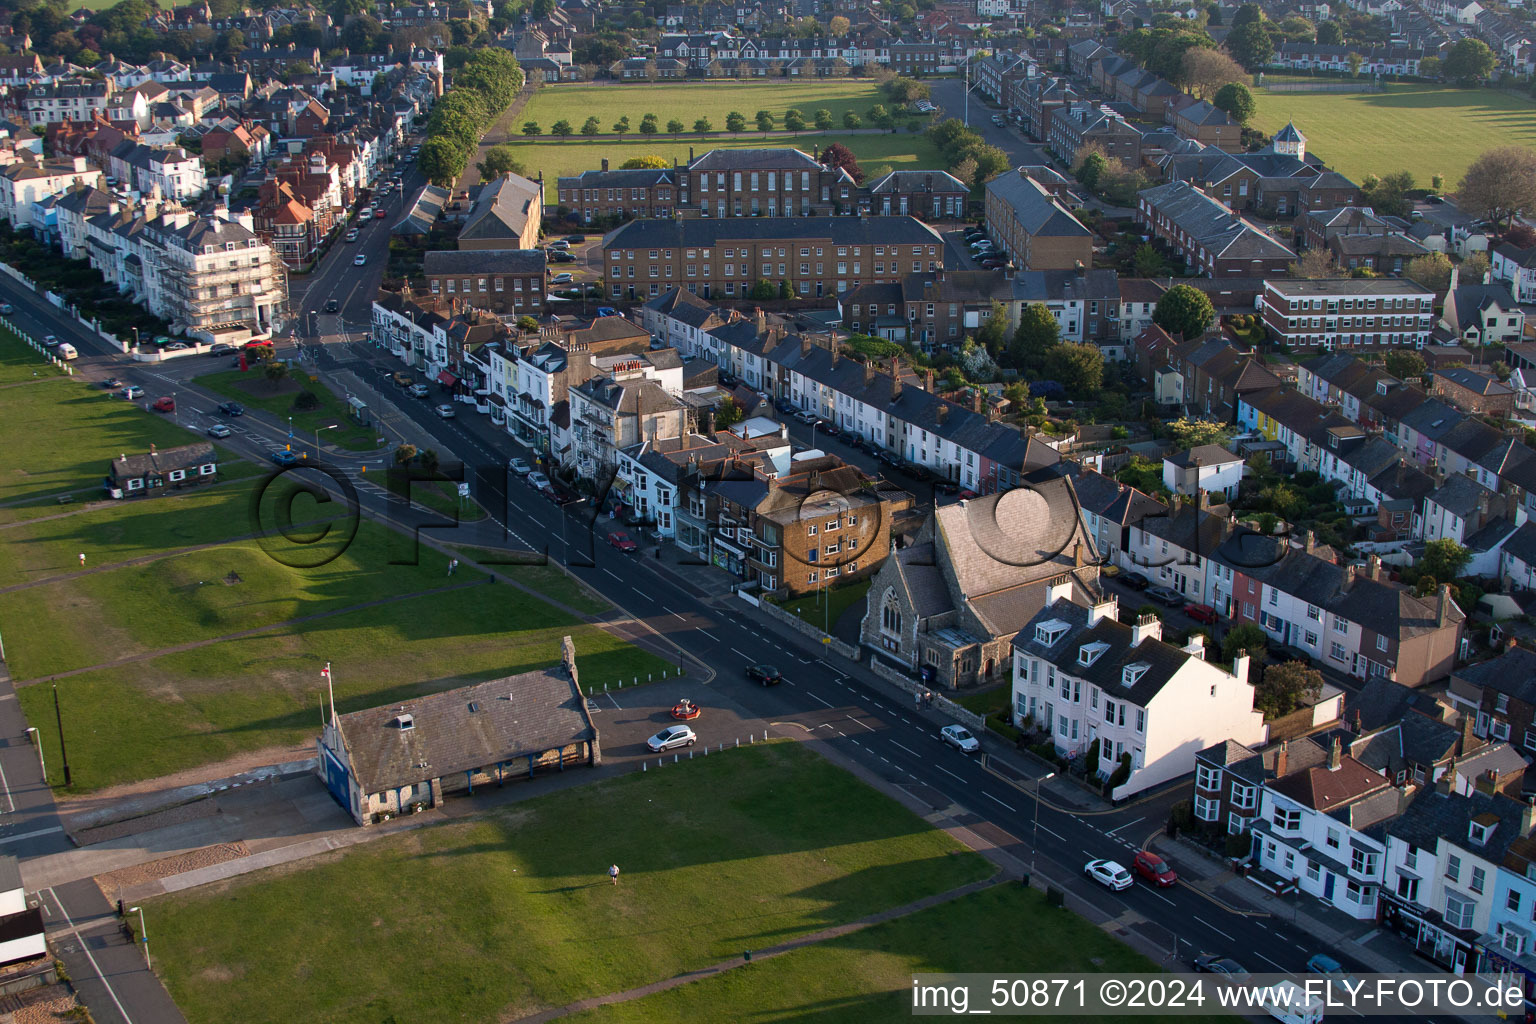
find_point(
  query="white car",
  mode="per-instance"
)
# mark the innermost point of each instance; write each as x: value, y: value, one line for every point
x: 360, y: 261
x: 538, y: 481
x: 519, y: 466
x: 1108, y: 874
x: 670, y: 737
x: 445, y: 411
x: 959, y: 737
x: 417, y: 391
x: 366, y: 213
x: 219, y: 430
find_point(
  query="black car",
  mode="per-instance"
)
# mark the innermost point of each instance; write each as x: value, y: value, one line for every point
x: 332, y: 306
x: 575, y: 239
x: 1209, y: 963
x: 888, y: 457
x: 783, y: 405
x: 560, y: 494
x: 947, y: 487
x: 1134, y: 580
x: 767, y: 675
x: 1166, y: 596
x: 231, y: 409
x: 827, y: 427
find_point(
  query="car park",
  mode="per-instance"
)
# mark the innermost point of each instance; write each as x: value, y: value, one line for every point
x: 670, y: 737
x: 166, y: 404
x: 1201, y: 613
x: 519, y: 466
x: 1210, y: 963
x: 765, y: 675
x: 417, y: 391
x: 1154, y: 869
x: 559, y: 244
x: 538, y: 481
x: 231, y: 409
x: 1166, y: 596
x: 283, y: 457
x: 959, y: 737
x: 1108, y: 874
x: 219, y: 430
x: 623, y: 541
x: 445, y: 411
x: 132, y: 392
x: 360, y: 261
x: 1135, y: 580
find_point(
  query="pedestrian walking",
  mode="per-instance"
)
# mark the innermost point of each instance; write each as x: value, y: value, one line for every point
x: 613, y: 873
x: 917, y: 700
x: 82, y: 559
x: 452, y: 565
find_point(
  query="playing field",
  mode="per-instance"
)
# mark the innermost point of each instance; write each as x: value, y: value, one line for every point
x: 1425, y: 129
x: 691, y: 101
x: 511, y: 913
x: 899, y: 151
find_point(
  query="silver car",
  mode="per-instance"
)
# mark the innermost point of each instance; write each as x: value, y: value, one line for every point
x: 670, y: 737
x: 445, y: 411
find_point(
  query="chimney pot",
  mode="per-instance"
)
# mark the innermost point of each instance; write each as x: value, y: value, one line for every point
x: 1335, y: 754
x: 1282, y: 759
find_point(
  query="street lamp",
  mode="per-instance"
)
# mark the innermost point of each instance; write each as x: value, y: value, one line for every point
x: 565, y: 514
x: 143, y: 935
x: 328, y: 426
x: 1034, y: 842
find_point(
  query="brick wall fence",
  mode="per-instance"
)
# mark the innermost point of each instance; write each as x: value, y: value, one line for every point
x: 799, y: 625
x: 912, y: 687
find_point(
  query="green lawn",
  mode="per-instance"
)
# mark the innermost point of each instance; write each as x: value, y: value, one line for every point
x: 1426, y: 129
x: 866, y: 977
x: 512, y: 912
x: 823, y: 608
x: 548, y: 579
x: 251, y: 388
x: 21, y: 362
x: 692, y: 100
x: 899, y: 151
x: 442, y: 497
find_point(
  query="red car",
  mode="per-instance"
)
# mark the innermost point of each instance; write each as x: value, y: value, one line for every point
x: 623, y: 541
x: 380, y: 213
x: 1154, y: 869
x: 164, y: 405
x: 1201, y: 613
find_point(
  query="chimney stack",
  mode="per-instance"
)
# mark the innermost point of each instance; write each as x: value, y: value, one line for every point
x: 1146, y: 627
x: 1469, y: 740
x: 605, y: 163
x: 1059, y: 589
x: 869, y: 373
x: 1282, y: 759
x: 943, y: 413
x: 805, y: 345
x: 928, y: 380
x: 976, y: 400
x: 1373, y: 567
x: 895, y: 378
x: 759, y: 319
x: 1309, y: 542
x: 1108, y: 608
x: 1443, y: 606
x: 1527, y: 819
x: 1335, y: 754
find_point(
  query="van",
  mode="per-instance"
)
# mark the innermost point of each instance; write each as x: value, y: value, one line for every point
x: 1289, y: 1003
x: 66, y: 351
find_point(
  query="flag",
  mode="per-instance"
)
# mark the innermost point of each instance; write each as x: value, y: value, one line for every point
x: 326, y: 672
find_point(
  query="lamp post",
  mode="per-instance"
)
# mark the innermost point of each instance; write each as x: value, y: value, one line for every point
x: 1034, y: 842
x: 58, y: 717
x: 143, y: 935
x: 328, y: 426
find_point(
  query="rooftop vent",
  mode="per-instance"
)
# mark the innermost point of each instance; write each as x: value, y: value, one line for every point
x: 404, y: 722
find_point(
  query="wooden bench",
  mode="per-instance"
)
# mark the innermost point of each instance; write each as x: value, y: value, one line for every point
x: 66, y: 499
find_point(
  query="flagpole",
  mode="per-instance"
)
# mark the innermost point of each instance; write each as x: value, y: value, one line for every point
x: 330, y: 686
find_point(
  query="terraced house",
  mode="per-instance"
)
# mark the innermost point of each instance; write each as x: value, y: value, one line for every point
x: 1211, y: 238
x: 634, y: 193
x: 1033, y: 227
x: 1348, y: 313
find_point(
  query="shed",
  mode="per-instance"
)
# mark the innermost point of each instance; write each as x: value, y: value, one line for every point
x: 151, y: 473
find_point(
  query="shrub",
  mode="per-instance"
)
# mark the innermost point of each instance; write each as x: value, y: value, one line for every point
x: 306, y: 401
x: 1239, y: 845
x: 1120, y: 775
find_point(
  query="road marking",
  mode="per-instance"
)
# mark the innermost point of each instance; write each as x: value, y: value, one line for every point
x: 32, y: 835
x: 819, y: 699
x: 709, y: 634
x: 10, y: 804
x: 1160, y: 896
x: 1126, y: 825
x: 614, y: 575
x: 912, y: 752
x: 1218, y: 931
x: 743, y: 654
x: 857, y: 722
x: 994, y: 799
x: 1058, y: 838
x: 86, y: 949
x: 1267, y: 960
x: 951, y: 774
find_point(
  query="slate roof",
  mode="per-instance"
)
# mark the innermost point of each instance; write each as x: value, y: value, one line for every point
x: 513, y: 716
x: 1460, y: 495
x: 1038, y: 212
x: 1203, y: 455
x: 1513, y: 672
x: 503, y: 208
x: 917, y: 181
x: 1224, y: 234
x: 708, y: 232
x: 750, y: 159
x: 1477, y: 383
x: 1435, y: 815
x: 635, y: 177
x: 1162, y: 660
x: 519, y: 262
x: 163, y: 460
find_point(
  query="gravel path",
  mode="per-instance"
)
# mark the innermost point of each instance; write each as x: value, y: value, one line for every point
x: 114, y: 881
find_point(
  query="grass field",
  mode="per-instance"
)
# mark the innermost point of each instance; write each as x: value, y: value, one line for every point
x: 823, y: 608
x: 251, y: 388
x: 1425, y: 129
x: 691, y: 101
x: 899, y: 151
x: 512, y: 912
x: 547, y: 579
x: 21, y: 362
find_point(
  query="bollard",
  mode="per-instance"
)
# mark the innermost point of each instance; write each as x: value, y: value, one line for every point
x: 605, y: 687
x: 674, y: 758
x: 738, y: 741
x: 690, y: 753
x: 642, y: 765
x: 706, y: 750
x: 637, y: 680
x: 648, y: 677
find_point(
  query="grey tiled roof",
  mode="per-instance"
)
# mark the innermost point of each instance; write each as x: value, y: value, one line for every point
x: 163, y: 460
x: 1435, y: 815
x: 483, y: 261
x: 1037, y: 211
x: 1162, y: 660
x: 1004, y: 540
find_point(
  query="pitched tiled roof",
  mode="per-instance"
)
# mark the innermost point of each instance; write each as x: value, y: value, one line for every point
x: 1038, y: 212
x: 709, y: 231
x: 483, y: 261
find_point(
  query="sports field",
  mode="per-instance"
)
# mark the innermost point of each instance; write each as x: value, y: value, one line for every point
x: 1422, y: 128
x: 691, y: 101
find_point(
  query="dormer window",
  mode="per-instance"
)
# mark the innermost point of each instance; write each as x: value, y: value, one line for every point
x: 1480, y: 830
x: 1133, y: 672
x: 1050, y: 631
x: 1090, y: 653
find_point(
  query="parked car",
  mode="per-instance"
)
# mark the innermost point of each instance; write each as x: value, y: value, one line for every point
x: 380, y: 213
x: 1135, y: 580
x: 110, y: 384
x: 538, y: 481
x: 1154, y: 869
x: 766, y: 675
x: 166, y: 404
x: 221, y: 348
x: 560, y: 245
x: 1166, y: 596
x: 283, y: 457
x: 231, y: 409
x: 5, y: 308
x: 351, y: 234
x: 417, y: 391
x: 219, y: 430
x: 560, y: 494
x: 1108, y: 874
x: 623, y: 541
x: 670, y: 737
x: 1210, y: 963
x: 132, y: 392
x: 562, y: 279
x: 519, y: 466
x: 561, y: 257
x: 575, y: 239
x: 366, y: 213
x: 445, y: 411
x: 331, y: 305
x: 603, y: 311
x: 890, y: 458
x: 828, y: 427
x: 361, y: 261
x: 959, y: 737
x: 1201, y: 613
x: 946, y: 487
x: 175, y: 346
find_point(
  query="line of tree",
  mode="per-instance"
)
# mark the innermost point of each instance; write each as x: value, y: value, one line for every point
x: 482, y: 89
x: 966, y: 154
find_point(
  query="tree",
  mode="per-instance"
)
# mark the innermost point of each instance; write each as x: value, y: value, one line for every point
x: 765, y: 121
x: 1429, y: 67
x: 852, y: 120
x: 653, y: 161
x: 1090, y: 169
x: 441, y: 160
x: 1317, y: 263
x: 561, y: 127
x: 1078, y: 367
x: 1500, y: 185
x: 1245, y: 639
x: 1186, y: 433
x: 1330, y: 34
x: 1389, y: 194
x: 1469, y: 62
x: 1473, y: 268
x: 1184, y: 310
x: 1236, y: 100
x: 794, y: 120
x: 1148, y: 262
x: 276, y: 371
x: 728, y: 414
x: 1287, y: 687
x: 1247, y: 14
x: 498, y: 160
x: 1432, y: 270
x: 1251, y: 46
x: 1037, y: 334
x: 404, y: 453
x: 675, y: 127
x: 879, y: 115
x: 993, y: 332
x: 591, y: 126
x: 1405, y: 365
x: 702, y: 126
x: 621, y: 126
x: 839, y: 155
x: 532, y: 128
x: 735, y: 121
x: 837, y: 27
x: 648, y: 125
x: 1355, y: 62
x: 965, y: 171
x: 1204, y: 71
x: 823, y: 119
x: 528, y: 324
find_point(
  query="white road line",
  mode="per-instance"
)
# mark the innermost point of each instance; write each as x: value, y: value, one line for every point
x: 10, y: 804
x: 996, y: 800
x: 1218, y: 931
x: 742, y: 653
x: 822, y: 701
x: 681, y: 619
x: 1160, y: 896
x: 1048, y: 832
x: 951, y: 774
x: 709, y: 634
x: 32, y: 835
x: 844, y: 735
x: 614, y: 575
x: 1267, y: 960
x: 912, y: 752
x: 1126, y: 825
x: 857, y: 722
x: 85, y: 947
x: 615, y: 702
